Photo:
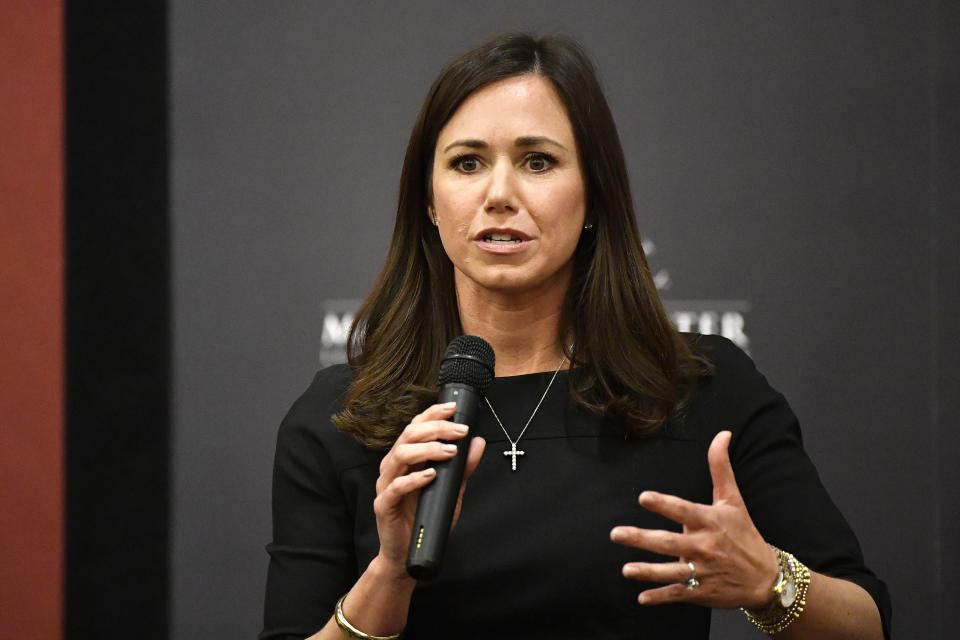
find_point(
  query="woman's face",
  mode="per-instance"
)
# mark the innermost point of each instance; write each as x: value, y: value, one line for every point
x: 508, y: 191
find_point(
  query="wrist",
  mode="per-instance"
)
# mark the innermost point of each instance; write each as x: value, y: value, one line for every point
x: 390, y: 573
x: 351, y: 631
x: 376, y: 606
x: 764, y: 593
x: 790, y: 596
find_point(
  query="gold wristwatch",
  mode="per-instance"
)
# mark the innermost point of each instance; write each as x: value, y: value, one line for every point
x: 789, y: 596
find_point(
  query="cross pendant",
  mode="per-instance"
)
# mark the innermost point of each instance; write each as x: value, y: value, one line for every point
x: 514, y: 452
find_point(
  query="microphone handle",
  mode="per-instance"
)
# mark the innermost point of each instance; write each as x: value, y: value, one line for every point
x: 438, y: 500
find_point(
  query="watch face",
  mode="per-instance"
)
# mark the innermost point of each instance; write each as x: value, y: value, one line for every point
x: 788, y: 594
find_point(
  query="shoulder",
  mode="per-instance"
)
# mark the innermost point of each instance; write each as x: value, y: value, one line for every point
x: 735, y: 376
x: 734, y: 372
x: 324, y: 395
x: 730, y: 399
x: 729, y: 360
x: 307, y: 429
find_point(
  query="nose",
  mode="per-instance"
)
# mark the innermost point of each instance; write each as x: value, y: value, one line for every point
x: 501, y: 193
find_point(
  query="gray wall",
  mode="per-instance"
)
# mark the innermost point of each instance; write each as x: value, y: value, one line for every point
x: 781, y: 159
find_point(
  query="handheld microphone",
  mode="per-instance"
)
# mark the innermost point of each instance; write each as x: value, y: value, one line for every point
x: 466, y: 372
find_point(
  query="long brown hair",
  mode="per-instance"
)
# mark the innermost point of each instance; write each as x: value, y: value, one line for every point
x: 627, y: 360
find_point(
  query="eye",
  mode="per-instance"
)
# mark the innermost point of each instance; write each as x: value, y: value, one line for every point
x: 540, y: 162
x: 465, y: 164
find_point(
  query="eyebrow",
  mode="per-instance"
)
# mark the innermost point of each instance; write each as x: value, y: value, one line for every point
x: 523, y: 141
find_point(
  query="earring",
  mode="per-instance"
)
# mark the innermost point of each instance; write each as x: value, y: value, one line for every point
x: 436, y: 220
x: 588, y: 226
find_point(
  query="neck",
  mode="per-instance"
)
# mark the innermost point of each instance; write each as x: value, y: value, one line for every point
x: 523, y: 329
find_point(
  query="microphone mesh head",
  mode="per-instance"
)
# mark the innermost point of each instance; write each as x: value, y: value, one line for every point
x: 468, y: 360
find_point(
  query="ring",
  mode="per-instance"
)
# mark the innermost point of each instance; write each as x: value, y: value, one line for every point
x: 692, y: 582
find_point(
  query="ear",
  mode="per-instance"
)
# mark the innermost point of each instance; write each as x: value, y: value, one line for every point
x: 432, y: 215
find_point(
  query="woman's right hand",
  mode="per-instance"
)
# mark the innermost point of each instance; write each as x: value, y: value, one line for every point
x: 404, y: 471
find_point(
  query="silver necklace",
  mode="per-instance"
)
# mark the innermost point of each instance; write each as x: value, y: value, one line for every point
x: 514, y: 452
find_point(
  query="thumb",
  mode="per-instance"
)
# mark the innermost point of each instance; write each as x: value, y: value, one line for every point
x: 477, y: 446
x: 721, y: 471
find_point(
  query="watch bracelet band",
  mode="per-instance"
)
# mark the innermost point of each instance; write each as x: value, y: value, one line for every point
x: 351, y: 630
x: 775, y: 618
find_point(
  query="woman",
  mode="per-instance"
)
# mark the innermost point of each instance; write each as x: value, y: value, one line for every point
x: 515, y: 223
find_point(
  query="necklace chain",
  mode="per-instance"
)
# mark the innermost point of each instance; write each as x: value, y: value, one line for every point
x: 514, y: 452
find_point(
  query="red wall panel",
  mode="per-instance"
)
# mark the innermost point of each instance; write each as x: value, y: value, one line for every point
x: 31, y: 319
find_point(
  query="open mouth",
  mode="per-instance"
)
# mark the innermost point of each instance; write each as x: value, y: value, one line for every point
x: 501, y: 238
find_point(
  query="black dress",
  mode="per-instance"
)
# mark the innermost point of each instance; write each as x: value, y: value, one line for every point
x: 531, y: 555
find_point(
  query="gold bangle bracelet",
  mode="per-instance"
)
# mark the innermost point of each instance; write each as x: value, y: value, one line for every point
x: 351, y: 630
x: 775, y: 618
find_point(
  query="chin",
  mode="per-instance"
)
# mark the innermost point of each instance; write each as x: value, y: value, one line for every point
x: 509, y: 280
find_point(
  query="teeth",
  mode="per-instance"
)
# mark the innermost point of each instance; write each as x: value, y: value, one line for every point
x: 500, y: 237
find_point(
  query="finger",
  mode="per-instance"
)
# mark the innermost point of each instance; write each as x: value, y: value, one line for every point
x: 677, y: 509
x: 400, y: 487
x: 435, y: 412
x: 399, y: 459
x: 433, y: 430
x: 477, y: 447
x: 405, y: 457
x: 666, y: 543
x: 664, y: 572
x: 721, y: 471
x: 670, y: 593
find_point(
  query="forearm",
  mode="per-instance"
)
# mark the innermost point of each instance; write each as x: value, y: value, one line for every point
x: 377, y: 604
x: 835, y: 609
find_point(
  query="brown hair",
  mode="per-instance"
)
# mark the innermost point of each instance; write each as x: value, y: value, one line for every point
x: 627, y: 361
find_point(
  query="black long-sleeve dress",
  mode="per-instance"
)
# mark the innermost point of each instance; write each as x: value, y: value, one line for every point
x: 531, y: 555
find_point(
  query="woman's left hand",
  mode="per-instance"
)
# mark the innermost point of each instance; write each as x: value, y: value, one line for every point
x: 734, y: 566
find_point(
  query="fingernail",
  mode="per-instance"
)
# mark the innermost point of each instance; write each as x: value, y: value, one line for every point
x: 618, y: 534
x: 449, y: 405
x: 449, y: 448
x: 642, y: 598
x: 629, y: 571
x: 461, y: 429
x: 429, y: 471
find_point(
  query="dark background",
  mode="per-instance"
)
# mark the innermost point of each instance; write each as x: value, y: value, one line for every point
x: 799, y: 157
